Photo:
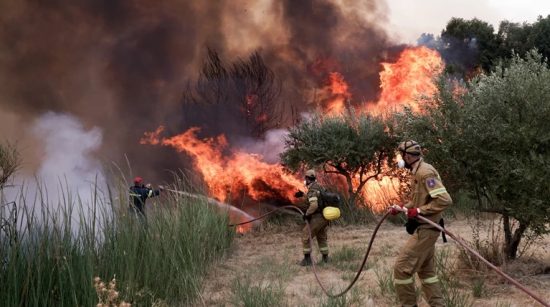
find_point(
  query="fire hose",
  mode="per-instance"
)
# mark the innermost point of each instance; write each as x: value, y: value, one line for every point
x: 457, y: 239
x: 357, y: 275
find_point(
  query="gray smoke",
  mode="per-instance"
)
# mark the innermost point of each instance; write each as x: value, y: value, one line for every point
x: 123, y: 66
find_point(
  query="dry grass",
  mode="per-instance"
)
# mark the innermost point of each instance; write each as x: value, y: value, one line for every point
x: 271, y: 255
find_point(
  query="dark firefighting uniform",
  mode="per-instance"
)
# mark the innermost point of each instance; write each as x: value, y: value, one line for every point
x: 138, y: 196
x: 318, y: 223
x: 417, y: 256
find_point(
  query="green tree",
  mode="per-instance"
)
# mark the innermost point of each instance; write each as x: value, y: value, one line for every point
x: 539, y: 36
x: 355, y: 147
x: 493, y: 141
x: 515, y: 38
x: 470, y: 44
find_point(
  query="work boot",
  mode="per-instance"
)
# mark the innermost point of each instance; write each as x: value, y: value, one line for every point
x: 306, y: 261
x: 325, y: 258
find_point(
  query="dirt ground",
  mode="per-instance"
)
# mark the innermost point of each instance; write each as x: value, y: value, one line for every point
x: 264, y: 261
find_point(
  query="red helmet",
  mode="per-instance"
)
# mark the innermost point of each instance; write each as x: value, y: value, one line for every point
x: 138, y: 180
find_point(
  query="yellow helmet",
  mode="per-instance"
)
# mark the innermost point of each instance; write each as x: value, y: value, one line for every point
x: 331, y: 213
x: 410, y: 147
x: 310, y: 173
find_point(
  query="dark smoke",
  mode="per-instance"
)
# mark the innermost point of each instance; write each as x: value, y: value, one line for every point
x: 124, y: 66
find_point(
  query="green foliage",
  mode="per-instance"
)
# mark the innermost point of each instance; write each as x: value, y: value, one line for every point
x: 248, y: 294
x: 453, y: 295
x: 467, y: 45
x: 473, y: 40
x: 55, y: 259
x: 478, y: 287
x: 493, y: 141
x: 346, y: 253
x: 349, y: 145
x: 384, y: 279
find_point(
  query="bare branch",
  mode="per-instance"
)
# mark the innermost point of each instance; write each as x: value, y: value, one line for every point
x: 9, y: 162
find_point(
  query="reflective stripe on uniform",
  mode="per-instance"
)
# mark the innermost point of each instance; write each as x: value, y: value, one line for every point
x: 307, y: 250
x: 323, y: 249
x: 314, y: 198
x: 403, y: 281
x: 430, y: 280
x: 135, y: 195
x: 434, y: 193
x: 150, y: 193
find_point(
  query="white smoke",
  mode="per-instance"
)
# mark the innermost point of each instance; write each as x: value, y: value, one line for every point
x: 69, y: 181
x: 273, y: 143
x: 68, y: 154
x: 269, y: 148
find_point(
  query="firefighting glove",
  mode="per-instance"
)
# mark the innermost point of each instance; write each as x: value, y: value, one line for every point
x: 299, y: 194
x: 394, y: 209
x: 412, y: 213
x: 306, y: 218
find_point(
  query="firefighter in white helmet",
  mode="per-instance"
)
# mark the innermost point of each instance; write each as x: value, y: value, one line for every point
x: 428, y: 198
x: 314, y: 216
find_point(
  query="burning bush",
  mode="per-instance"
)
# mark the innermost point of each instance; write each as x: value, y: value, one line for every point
x: 355, y: 147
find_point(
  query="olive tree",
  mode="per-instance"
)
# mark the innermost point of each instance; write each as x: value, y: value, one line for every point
x: 492, y: 139
x: 356, y: 147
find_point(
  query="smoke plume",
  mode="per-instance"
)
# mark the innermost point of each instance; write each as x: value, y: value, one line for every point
x: 125, y: 66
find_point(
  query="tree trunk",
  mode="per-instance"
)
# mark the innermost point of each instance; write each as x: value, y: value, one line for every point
x: 352, y: 196
x: 511, y: 241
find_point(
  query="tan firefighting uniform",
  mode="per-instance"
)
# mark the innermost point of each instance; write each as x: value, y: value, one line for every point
x: 417, y: 256
x: 317, y: 223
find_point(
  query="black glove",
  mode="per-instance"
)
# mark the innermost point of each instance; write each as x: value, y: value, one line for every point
x: 306, y: 217
x: 299, y: 194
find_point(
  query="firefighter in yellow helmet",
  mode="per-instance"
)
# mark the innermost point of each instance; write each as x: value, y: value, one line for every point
x: 314, y: 216
x: 428, y: 198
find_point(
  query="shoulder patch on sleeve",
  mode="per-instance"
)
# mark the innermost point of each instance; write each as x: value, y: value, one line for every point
x: 430, y: 182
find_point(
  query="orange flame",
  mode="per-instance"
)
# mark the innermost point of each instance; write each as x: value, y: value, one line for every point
x: 228, y: 176
x: 379, y: 194
x: 229, y: 173
x: 338, y: 93
x: 406, y: 80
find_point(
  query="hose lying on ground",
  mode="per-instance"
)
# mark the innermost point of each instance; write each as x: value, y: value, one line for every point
x: 435, y: 225
x: 492, y: 266
x: 310, y: 243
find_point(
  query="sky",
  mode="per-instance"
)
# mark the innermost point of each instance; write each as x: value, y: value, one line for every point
x: 410, y: 18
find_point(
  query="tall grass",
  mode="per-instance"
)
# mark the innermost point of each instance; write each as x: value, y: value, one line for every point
x: 58, y: 253
x: 257, y: 294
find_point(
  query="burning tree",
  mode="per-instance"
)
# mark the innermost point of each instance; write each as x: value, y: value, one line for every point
x: 246, y: 90
x: 358, y: 148
x: 492, y: 141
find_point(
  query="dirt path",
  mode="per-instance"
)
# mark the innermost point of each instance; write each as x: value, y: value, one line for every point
x: 262, y: 270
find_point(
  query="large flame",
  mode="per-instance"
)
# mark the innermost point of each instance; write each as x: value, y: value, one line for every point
x: 407, y: 80
x: 339, y: 94
x: 229, y: 176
